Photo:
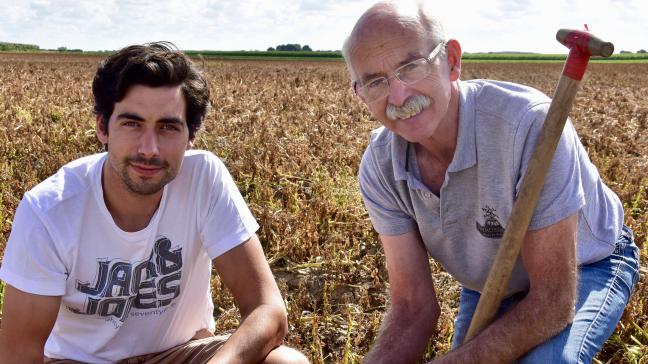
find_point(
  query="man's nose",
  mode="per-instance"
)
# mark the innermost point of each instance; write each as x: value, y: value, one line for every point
x: 397, y: 92
x: 148, y: 144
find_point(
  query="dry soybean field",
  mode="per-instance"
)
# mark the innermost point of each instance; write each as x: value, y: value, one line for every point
x: 292, y: 136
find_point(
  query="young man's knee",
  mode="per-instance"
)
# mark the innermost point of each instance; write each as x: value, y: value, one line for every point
x: 285, y: 355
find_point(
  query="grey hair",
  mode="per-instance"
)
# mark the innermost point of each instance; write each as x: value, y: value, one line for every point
x: 413, y: 16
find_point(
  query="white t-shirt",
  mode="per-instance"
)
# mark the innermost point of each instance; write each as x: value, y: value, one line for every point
x: 125, y: 293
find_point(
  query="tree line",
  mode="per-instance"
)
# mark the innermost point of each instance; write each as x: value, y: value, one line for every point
x: 4, y: 46
x: 629, y: 52
x: 290, y: 47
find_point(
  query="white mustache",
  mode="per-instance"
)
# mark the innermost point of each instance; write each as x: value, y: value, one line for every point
x: 411, y: 107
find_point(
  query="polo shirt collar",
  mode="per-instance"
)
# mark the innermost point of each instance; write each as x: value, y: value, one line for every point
x: 466, y: 151
x: 401, y: 158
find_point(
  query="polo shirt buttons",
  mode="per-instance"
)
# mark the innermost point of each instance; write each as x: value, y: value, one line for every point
x: 427, y: 194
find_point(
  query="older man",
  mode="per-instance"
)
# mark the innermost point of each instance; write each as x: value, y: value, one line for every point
x: 440, y: 178
x: 110, y: 259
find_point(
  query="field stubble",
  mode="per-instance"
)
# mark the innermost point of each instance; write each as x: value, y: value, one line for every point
x: 292, y: 136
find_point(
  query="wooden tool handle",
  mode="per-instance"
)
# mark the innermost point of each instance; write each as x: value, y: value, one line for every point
x: 518, y: 222
x: 582, y: 45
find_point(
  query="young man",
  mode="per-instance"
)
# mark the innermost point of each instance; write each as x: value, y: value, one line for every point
x: 441, y: 177
x: 110, y: 259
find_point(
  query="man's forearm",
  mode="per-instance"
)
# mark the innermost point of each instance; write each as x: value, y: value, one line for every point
x: 261, y: 331
x: 403, y: 335
x: 529, y: 323
x: 25, y: 353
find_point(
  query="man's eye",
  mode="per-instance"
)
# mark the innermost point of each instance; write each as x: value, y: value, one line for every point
x: 130, y: 123
x: 375, y: 83
x: 410, y: 67
x: 170, y: 127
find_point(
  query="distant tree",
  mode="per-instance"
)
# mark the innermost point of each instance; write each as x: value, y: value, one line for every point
x: 61, y: 49
x: 306, y: 48
x: 271, y: 49
x: 625, y: 52
x: 289, y: 47
x: 641, y: 51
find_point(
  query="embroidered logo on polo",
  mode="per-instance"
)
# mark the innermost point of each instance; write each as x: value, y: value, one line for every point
x: 492, y: 227
x: 120, y: 285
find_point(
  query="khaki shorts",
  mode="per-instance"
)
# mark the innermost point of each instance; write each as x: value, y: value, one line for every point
x: 198, y: 350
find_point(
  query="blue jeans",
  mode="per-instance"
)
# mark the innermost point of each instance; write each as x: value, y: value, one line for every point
x: 604, y: 288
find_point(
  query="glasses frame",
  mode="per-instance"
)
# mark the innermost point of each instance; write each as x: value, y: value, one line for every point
x: 429, y: 59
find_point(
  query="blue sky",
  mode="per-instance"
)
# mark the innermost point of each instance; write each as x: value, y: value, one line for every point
x: 480, y: 26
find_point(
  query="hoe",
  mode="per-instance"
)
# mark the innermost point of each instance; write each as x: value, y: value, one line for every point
x: 582, y: 45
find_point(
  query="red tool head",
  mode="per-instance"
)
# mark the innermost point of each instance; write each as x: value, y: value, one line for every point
x: 582, y: 45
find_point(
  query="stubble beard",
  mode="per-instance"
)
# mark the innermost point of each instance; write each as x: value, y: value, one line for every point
x: 145, y: 187
x: 411, y: 107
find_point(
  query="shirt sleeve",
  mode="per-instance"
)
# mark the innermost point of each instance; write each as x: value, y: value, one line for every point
x: 562, y: 193
x: 31, y: 261
x: 229, y: 221
x: 385, y: 212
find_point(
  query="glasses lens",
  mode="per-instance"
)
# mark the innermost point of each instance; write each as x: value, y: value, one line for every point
x: 414, y: 71
x: 375, y: 89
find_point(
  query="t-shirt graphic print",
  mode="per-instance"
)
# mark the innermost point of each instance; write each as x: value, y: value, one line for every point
x: 120, y: 286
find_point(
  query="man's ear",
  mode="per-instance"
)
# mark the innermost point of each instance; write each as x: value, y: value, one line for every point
x: 102, y: 133
x: 190, y: 144
x: 453, y: 49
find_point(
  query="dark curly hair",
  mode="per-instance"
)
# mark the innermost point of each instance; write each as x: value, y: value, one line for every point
x: 155, y: 65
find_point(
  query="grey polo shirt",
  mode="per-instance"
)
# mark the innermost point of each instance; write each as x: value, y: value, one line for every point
x: 499, y: 124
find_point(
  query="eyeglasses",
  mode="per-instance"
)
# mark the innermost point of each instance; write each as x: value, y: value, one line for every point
x: 408, y: 74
